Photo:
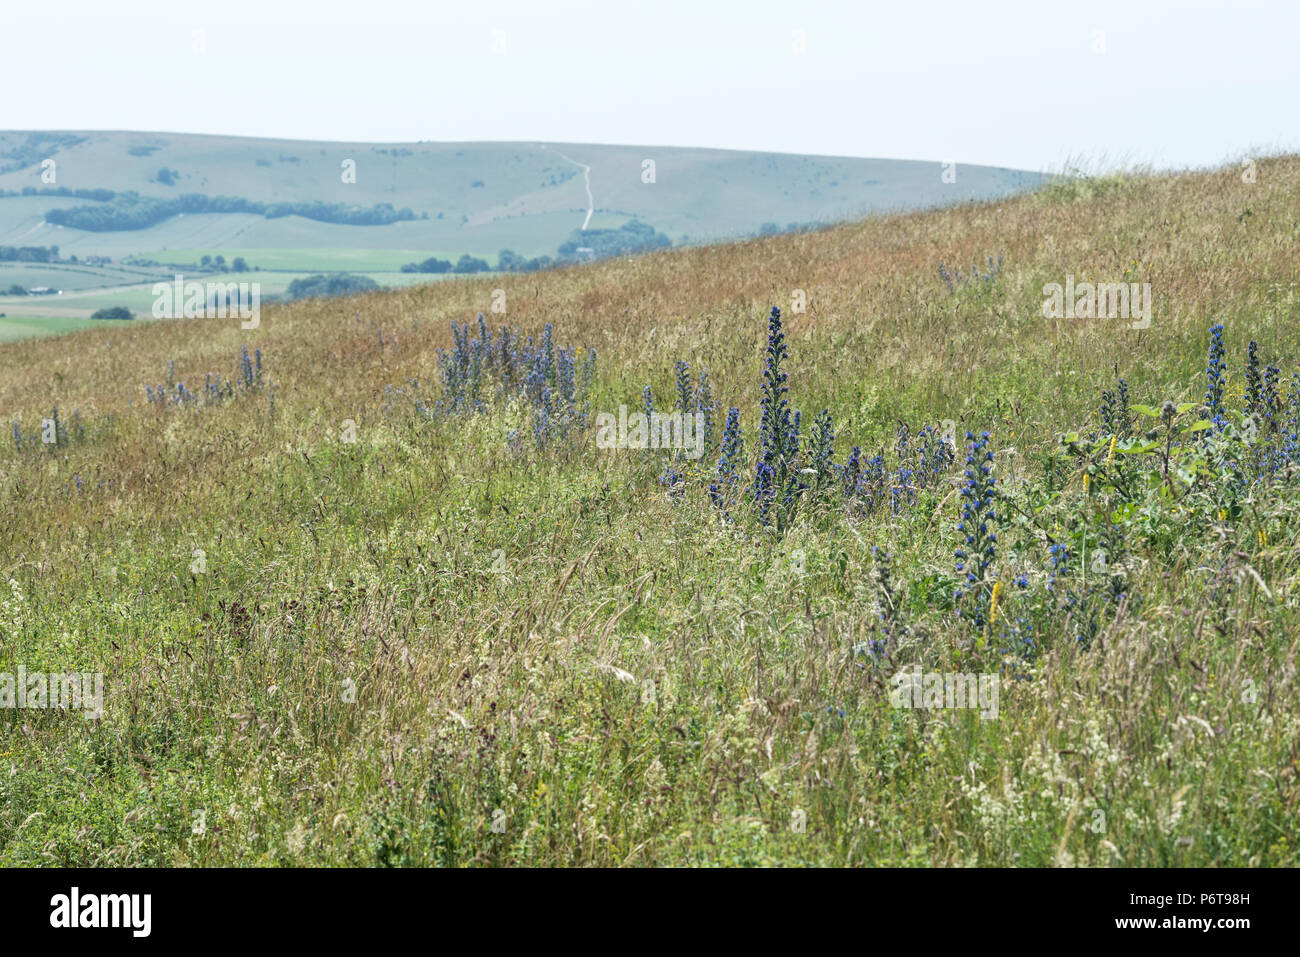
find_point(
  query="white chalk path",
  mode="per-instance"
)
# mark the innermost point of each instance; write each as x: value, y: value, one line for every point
x: 586, y: 175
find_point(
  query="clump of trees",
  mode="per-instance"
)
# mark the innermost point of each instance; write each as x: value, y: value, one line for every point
x: 633, y: 236
x: 510, y: 261
x: 431, y: 265
x: 113, y: 312
x: 333, y: 284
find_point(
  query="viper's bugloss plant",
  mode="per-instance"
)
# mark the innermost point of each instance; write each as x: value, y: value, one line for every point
x: 890, y: 614
x: 788, y: 464
x: 1254, y: 383
x: 722, y: 489
x: 821, y: 450
x: 1271, y: 404
x: 1216, y: 375
x: 776, y: 475
x: 1116, y: 419
x: 978, y: 547
x: 704, y: 404
x: 851, y: 473
x: 674, y: 481
x: 555, y: 383
x: 684, y: 392
x: 981, y: 281
x: 216, y: 388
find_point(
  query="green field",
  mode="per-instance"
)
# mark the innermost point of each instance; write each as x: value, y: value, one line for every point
x: 139, y: 297
x: 22, y: 327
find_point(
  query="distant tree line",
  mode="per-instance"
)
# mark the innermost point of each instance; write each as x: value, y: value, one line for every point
x: 129, y: 211
x: 466, y: 264
x: 632, y: 237
x: 772, y: 229
x: 29, y: 254
x: 100, y: 195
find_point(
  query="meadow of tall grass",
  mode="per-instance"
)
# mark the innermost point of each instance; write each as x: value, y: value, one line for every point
x: 364, y: 590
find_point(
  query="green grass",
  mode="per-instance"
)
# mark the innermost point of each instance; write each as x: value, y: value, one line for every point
x: 325, y: 652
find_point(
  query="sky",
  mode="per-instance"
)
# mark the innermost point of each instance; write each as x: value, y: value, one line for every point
x: 1034, y: 85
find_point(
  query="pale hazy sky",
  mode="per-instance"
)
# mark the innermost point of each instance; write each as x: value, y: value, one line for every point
x: 1024, y: 84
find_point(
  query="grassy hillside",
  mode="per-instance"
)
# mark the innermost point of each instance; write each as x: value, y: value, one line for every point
x: 479, y: 197
x: 470, y: 636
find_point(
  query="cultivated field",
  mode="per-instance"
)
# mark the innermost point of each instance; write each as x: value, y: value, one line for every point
x: 357, y: 603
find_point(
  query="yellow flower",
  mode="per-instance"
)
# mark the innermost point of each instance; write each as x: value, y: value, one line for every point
x: 1111, y: 457
x: 993, y: 603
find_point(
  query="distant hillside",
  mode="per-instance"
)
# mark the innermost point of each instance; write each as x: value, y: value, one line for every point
x: 148, y: 194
